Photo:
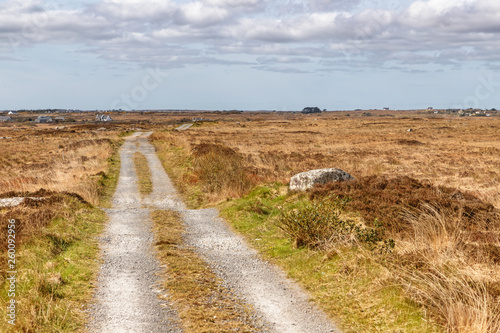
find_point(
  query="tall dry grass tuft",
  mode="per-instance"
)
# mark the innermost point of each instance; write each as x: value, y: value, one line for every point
x: 462, y: 304
x: 221, y: 170
x: 436, y: 232
x: 440, y: 274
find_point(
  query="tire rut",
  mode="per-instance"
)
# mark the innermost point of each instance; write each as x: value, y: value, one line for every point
x: 125, y: 298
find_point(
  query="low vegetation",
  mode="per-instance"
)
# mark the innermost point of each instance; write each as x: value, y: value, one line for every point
x: 62, y: 175
x: 56, y: 264
x: 433, y: 218
x: 143, y: 174
x: 203, y: 302
x: 319, y: 225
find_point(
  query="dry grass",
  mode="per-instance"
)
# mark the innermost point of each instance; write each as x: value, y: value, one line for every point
x: 143, y: 174
x: 60, y: 161
x: 203, y: 302
x: 435, y: 188
x: 455, y: 152
x: 439, y: 270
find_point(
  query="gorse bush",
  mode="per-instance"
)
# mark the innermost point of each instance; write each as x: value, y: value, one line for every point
x: 319, y: 225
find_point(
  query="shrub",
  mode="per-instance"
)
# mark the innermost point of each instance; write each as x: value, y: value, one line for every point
x: 319, y: 225
x: 220, y: 169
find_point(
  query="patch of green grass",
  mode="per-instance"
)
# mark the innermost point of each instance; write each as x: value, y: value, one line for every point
x: 109, y: 180
x: 351, y: 284
x: 143, y: 174
x: 56, y: 269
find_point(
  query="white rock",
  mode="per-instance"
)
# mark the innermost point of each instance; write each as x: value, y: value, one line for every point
x: 305, y: 180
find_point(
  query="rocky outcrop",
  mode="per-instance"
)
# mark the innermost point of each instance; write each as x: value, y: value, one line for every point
x: 305, y: 180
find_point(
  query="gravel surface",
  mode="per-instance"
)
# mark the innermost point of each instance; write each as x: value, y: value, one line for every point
x: 126, y: 300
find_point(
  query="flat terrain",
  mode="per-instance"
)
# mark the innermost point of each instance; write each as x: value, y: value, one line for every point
x: 432, y: 179
x: 125, y: 300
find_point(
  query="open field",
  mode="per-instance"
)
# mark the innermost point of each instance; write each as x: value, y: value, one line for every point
x: 435, y: 189
x: 65, y: 174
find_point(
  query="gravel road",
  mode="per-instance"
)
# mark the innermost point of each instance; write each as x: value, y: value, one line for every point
x: 126, y: 300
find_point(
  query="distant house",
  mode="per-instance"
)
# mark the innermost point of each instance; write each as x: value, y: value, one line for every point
x: 43, y: 119
x: 311, y: 110
x: 5, y: 119
x: 12, y: 112
x: 430, y: 108
x: 103, y: 117
x: 200, y: 119
x: 386, y: 108
x: 59, y: 119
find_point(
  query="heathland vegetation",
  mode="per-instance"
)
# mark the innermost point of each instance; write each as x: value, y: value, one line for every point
x: 411, y: 245
x: 64, y: 175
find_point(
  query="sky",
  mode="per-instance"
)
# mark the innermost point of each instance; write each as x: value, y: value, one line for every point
x: 279, y: 55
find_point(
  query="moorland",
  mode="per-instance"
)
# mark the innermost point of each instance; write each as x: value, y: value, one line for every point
x: 412, y: 244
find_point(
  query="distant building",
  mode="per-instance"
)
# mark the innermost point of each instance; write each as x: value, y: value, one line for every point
x: 12, y: 112
x: 59, y: 119
x: 5, y: 119
x: 386, y: 108
x: 103, y: 117
x: 43, y: 119
x: 200, y: 119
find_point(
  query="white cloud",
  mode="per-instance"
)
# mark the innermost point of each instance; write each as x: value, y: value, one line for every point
x: 199, y: 14
x: 333, y: 5
x: 234, y: 3
x: 138, y: 31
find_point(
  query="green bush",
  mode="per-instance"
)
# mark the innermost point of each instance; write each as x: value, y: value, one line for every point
x: 318, y: 225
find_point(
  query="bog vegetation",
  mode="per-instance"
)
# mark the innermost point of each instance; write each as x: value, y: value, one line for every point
x: 411, y: 245
x: 63, y: 175
x: 423, y: 211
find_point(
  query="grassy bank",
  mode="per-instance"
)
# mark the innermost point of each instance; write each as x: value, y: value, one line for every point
x: 349, y: 282
x: 55, y: 267
x: 56, y: 237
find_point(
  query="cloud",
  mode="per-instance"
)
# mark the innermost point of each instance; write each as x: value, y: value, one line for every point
x: 333, y: 5
x: 325, y: 32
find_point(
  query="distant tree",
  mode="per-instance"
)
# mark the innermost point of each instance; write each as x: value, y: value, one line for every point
x: 311, y: 109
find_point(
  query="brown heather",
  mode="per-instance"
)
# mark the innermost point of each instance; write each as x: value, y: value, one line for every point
x: 435, y: 187
x: 60, y: 161
x: 56, y: 165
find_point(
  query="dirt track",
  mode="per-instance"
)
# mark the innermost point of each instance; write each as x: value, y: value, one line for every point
x: 126, y: 298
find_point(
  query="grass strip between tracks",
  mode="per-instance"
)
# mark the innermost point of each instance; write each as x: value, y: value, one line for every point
x: 203, y: 302
x: 143, y: 174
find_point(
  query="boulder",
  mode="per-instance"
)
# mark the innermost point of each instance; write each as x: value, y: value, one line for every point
x: 305, y: 180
